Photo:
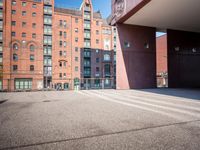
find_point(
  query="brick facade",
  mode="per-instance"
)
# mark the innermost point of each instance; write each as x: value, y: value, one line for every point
x: 46, y: 47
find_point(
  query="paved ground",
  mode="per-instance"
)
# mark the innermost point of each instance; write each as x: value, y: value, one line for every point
x: 101, y: 120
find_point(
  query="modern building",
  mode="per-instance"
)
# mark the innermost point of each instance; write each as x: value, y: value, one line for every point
x: 42, y: 46
x: 137, y: 22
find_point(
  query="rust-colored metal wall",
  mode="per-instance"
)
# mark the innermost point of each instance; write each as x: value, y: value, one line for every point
x: 136, y: 57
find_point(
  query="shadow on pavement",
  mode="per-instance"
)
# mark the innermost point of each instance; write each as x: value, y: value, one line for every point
x: 184, y: 93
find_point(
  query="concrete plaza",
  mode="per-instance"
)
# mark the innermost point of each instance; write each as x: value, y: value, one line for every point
x: 151, y: 119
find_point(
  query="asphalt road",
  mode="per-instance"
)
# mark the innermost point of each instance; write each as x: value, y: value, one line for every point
x: 157, y: 119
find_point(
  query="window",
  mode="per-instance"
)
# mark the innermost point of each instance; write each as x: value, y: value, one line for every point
x: 1, y: 47
x: 64, y: 53
x: 1, y: 35
x: 48, y: 71
x: 31, y: 67
x: 107, y: 69
x: 97, y: 41
x: 32, y: 57
x: 47, y: 29
x: 65, y: 34
x: 64, y: 75
x: 65, y: 64
x: 34, y: 6
x: 106, y: 57
x: 34, y: 14
x: 13, y: 23
x: 146, y: 45
x: 47, y: 19
x: 1, y: 85
x: 23, y: 34
x: 32, y: 47
x: 60, y: 53
x: 23, y: 13
x: 76, y: 30
x: 97, y: 32
x: 13, y: 34
x: 47, y: 50
x: 48, y: 10
x: 76, y: 68
x: 64, y: 43
x: 13, y: 12
x: 76, y: 49
x: 34, y: 35
x: 33, y: 25
x: 48, y: 40
x: 47, y: 61
x: 97, y: 60
x: 87, y: 24
x: 23, y: 4
x: 60, y: 75
x: 13, y: 3
x: 23, y: 84
x: 15, y: 67
x: 60, y: 43
x: 23, y: 24
x: 61, y: 23
x: 15, y: 46
x: 15, y: 57
x: 76, y: 39
x: 60, y: 64
x: 97, y: 69
x: 106, y: 31
x: 60, y: 33
x: 76, y: 59
x: 126, y: 44
x: 76, y: 20
x: 65, y: 24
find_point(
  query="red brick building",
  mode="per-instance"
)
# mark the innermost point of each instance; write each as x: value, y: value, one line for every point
x: 46, y: 47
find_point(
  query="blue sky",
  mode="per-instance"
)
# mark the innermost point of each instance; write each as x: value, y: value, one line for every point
x: 103, y: 5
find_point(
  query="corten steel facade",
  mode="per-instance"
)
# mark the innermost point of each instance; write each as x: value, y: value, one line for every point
x: 137, y: 22
x: 47, y: 47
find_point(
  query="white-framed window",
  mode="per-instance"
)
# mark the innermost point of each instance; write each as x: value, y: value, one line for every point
x: 23, y: 84
x: 106, y: 57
